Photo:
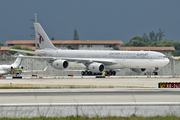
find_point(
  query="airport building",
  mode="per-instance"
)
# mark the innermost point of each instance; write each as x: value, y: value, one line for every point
x: 78, y: 44
x: 84, y: 45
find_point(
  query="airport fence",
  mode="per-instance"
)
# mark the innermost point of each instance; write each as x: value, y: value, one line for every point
x: 172, y: 68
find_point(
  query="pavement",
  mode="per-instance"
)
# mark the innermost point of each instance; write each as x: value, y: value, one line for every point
x: 88, y: 82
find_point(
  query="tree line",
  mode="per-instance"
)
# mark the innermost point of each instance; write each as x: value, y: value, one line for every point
x: 153, y: 40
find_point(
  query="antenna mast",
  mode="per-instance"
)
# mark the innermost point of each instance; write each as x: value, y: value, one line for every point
x: 35, y: 30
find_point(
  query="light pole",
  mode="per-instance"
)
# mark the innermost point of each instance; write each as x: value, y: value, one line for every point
x: 35, y: 30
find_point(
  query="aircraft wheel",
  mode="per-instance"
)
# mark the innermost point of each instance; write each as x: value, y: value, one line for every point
x: 110, y: 72
x: 106, y: 73
x: 114, y: 72
x: 89, y: 73
x: 86, y: 72
x: 82, y: 73
x: 155, y: 73
x: 99, y: 73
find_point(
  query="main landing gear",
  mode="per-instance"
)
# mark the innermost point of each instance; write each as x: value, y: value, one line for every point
x: 110, y: 72
x: 89, y: 73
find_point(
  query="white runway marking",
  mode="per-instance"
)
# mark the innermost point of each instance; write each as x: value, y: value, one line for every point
x: 93, y: 104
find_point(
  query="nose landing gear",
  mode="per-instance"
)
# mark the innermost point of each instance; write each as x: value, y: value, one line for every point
x: 155, y: 73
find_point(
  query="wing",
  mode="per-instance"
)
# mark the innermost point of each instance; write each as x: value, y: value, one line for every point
x: 87, y: 60
x: 78, y: 60
x: 50, y: 59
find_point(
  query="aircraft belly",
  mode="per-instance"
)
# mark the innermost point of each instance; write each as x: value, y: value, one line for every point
x: 146, y: 63
x: 135, y: 63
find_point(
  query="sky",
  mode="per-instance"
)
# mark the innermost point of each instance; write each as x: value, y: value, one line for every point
x: 93, y: 19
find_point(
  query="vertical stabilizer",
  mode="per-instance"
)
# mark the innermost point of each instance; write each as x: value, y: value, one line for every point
x: 17, y: 62
x: 44, y: 41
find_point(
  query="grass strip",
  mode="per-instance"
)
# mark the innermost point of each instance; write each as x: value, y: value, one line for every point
x: 133, y: 117
x: 66, y: 87
x: 24, y: 87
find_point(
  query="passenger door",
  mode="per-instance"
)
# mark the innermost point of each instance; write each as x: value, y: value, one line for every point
x: 124, y: 56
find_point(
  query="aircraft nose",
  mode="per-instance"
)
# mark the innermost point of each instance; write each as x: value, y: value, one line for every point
x: 166, y: 61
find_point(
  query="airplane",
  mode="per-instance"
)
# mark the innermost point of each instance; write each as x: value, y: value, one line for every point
x: 96, y: 61
x: 15, y: 68
x: 8, y: 69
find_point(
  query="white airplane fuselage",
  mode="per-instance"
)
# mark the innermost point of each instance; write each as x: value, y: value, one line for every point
x: 4, y: 69
x: 125, y: 59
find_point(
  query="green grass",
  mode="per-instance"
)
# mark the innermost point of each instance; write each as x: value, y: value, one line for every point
x: 133, y: 117
x: 14, y: 87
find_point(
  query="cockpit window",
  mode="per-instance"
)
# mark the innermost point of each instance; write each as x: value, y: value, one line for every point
x: 162, y: 57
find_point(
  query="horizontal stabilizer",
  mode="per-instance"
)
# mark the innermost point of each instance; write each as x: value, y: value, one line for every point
x: 27, y: 51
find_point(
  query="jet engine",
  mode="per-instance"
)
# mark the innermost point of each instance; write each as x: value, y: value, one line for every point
x: 12, y: 68
x: 96, y: 67
x: 20, y: 67
x: 60, y: 64
x: 138, y: 70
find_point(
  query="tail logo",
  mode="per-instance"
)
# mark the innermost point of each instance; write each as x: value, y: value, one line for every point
x: 40, y: 38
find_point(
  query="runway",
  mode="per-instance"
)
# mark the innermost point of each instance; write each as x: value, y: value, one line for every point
x: 88, y: 95
x: 121, y: 100
x: 88, y: 102
x: 88, y: 90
